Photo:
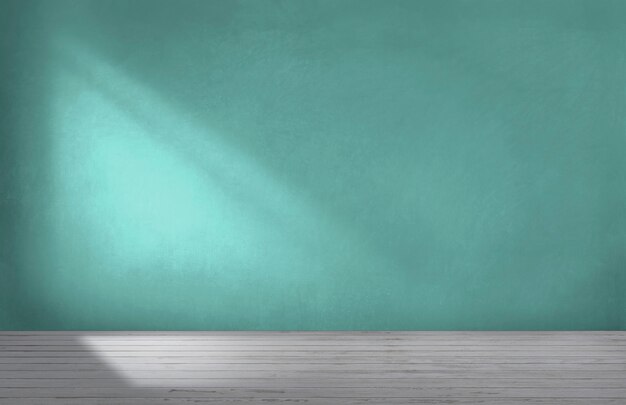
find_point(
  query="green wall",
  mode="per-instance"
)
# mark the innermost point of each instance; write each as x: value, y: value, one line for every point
x: 313, y: 164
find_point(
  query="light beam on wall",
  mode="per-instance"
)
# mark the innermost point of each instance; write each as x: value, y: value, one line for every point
x: 146, y: 193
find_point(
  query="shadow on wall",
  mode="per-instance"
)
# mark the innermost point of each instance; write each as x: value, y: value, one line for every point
x: 24, y: 153
x: 313, y: 165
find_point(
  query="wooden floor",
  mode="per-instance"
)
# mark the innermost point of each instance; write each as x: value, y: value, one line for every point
x: 145, y: 368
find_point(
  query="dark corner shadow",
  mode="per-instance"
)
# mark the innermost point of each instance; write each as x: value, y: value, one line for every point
x: 9, y: 204
x: 24, y: 149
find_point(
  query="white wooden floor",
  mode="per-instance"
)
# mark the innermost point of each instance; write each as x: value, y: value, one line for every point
x: 170, y: 368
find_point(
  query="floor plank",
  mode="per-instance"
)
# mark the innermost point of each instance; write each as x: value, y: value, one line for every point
x: 352, y: 368
x: 312, y: 401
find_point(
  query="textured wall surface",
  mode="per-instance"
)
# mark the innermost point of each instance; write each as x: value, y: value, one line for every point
x: 313, y: 164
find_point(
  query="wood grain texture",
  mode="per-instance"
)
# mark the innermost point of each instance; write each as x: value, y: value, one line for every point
x: 170, y: 368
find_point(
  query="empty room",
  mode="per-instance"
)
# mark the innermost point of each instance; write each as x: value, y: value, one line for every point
x: 316, y: 202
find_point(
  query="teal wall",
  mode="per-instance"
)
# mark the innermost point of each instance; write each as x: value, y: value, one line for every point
x: 313, y: 164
